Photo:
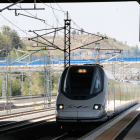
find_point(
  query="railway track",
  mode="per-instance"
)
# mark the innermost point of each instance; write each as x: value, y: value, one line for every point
x: 25, y: 106
x: 30, y: 127
x: 2, y: 117
x: 73, y: 135
x: 19, y: 97
x: 65, y: 135
x: 14, y: 126
x: 80, y: 135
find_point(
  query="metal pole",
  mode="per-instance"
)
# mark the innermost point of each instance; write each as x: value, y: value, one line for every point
x: 22, y: 86
x: 6, y: 103
x: 67, y: 51
x: 3, y: 85
x: 30, y: 84
x: 50, y: 87
x: 64, y: 45
x: 97, y: 53
x: 45, y: 88
x: 114, y: 69
x: 50, y: 79
x: 8, y: 84
x: 10, y: 81
x: 123, y: 70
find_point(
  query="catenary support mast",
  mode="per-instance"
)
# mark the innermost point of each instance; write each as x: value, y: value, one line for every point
x: 67, y: 43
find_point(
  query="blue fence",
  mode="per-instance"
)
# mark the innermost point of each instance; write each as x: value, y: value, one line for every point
x: 76, y: 57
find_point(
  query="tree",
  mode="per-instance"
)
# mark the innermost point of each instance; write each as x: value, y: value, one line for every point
x: 2, y: 45
x: 105, y: 35
x: 15, y: 87
x: 73, y: 32
x: 5, y: 30
x: 41, y: 79
x: 11, y: 37
x: 15, y: 40
x: 82, y: 31
x: 136, y: 47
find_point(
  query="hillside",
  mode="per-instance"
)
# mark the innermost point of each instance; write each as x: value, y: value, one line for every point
x: 18, y: 43
x: 79, y: 40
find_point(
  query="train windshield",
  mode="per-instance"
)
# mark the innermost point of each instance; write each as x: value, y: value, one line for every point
x: 82, y: 80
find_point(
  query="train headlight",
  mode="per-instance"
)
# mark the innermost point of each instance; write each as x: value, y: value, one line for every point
x: 97, y: 106
x: 60, y: 106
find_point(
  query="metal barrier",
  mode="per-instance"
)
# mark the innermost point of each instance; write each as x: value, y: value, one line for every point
x: 76, y: 57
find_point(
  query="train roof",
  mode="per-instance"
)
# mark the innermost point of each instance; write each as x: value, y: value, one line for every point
x: 135, y: 82
x: 107, y: 72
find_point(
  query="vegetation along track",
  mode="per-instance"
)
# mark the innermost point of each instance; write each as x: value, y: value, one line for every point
x: 14, y: 126
x: 25, y: 113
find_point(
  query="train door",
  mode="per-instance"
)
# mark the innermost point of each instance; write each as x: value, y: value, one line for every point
x: 126, y: 95
x: 111, y: 97
x: 117, y: 97
x: 108, y: 98
x: 120, y: 96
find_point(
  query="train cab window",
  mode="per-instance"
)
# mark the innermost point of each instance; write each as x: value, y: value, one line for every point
x: 82, y: 80
x: 80, y: 83
x: 97, y: 84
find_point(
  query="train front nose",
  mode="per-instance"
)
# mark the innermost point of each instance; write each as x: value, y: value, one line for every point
x: 76, y: 113
x: 78, y: 92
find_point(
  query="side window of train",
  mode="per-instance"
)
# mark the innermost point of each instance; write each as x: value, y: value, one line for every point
x: 97, y: 84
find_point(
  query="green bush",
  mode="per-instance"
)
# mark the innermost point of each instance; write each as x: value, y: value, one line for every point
x: 15, y: 86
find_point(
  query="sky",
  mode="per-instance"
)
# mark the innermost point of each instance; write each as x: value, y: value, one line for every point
x: 119, y: 20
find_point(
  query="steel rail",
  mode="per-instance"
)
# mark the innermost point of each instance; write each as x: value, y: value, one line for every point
x: 61, y: 136
x: 25, y: 106
x: 25, y: 113
x: 14, y: 126
x: 68, y: 135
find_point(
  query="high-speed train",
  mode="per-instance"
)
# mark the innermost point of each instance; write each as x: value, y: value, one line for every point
x: 89, y: 93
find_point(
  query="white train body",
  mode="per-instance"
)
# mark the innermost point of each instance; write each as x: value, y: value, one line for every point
x: 89, y: 93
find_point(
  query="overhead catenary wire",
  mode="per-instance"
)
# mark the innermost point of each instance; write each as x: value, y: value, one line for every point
x: 51, y: 7
x: 55, y: 15
x: 70, y: 18
x: 60, y: 7
x: 35, y: 16
x: 69, y: 14
x: 15, y: 25
x: 45, y: 23
x: 30, y: 14
x: 57, y: 18
x: 74, y: 22
x: 65, y: 13
x: 53, y: 10
x: 18, y: 28
x: 11, y: 5
x: 88, y: 33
